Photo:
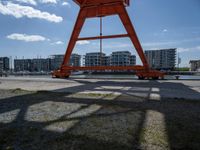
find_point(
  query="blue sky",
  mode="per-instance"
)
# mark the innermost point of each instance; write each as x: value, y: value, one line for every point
x: 39, y: 28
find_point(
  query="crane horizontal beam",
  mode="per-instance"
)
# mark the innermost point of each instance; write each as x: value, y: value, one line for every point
x: 83, y: 3
x: 136, y: 68
x: 104, y: 37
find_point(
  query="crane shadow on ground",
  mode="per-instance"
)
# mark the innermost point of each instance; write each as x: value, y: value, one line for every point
x: 55, y: 120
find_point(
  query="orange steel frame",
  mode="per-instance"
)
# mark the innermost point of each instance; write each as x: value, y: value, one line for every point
x: 102, y: 8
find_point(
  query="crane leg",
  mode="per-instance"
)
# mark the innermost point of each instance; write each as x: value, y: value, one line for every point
x: 122, y: 12
x: 147, y: 73
x: 74, y: 37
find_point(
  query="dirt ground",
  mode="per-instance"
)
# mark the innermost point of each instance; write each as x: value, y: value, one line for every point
x: 62, y: 121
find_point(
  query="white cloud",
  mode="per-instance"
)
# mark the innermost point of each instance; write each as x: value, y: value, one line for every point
x: 150, y: 44
x: 182, y: 50
x: 27, y: 38
x: 165, y: 30
x: 66, y: 4
x: 19, y: 11
x: 57, y: 43
x: 83, y: 42
x: 32, y: 2
x: 48, y: 1
x: 169, y: 43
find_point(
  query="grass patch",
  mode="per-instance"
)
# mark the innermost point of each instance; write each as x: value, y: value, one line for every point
x: 19, y: 91
x: 108, y: 96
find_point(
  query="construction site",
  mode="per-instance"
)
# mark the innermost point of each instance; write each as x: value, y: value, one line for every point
x: 62, y: 112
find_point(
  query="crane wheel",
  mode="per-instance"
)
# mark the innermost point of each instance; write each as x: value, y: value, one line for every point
x: 141, y: 78
x: 155, y: 78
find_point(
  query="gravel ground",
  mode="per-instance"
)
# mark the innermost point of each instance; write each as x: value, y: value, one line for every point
x: 64, y: 121
x: 155, y: 90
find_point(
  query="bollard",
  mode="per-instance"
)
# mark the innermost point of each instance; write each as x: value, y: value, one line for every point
x: 177, y: 77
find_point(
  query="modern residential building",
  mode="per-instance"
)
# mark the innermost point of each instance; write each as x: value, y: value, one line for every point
x: 32, y: 65
x: 4, y: 64
x: 75, y: 60
x: 94, y: 59
x: 195, y: 65
x: 1, y: 66
x: 44, y: 64
x: 163, y: 59
x: 56, y: 61
x: 122, y: 58
x: 106, y: 60
x: 38, y: 65
x: 132, y: 60
x: 22, y: 65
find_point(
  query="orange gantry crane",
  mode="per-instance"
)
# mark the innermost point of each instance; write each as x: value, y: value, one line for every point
x: 103, y: 8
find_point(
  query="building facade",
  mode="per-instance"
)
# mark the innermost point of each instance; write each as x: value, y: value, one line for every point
x: 195, y: 65
x: 22, y: 65
x: 56, y: 61
x: 94, y: 59
x: 75, y: 60
x: 122, y: 58
x: 163, y: 59
x: 106, y: 61
x: 132, y: 60
x: 38, y: 65
x: 4, y: 64
x: 44, y: 65
x: 31, y: 65
x: 1, y: 66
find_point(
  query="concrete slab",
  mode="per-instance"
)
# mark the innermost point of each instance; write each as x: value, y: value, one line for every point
x: 156, y: 90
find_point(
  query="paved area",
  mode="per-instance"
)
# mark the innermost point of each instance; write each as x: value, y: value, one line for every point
x: 161, y: 89
x: 83, y: 114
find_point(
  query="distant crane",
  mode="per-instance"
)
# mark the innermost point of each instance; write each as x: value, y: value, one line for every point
x: 103, y: 8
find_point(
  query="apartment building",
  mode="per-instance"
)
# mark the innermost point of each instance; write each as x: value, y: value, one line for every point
x: 163, y: 59
x: 22, y: 65
x: 122, y: 58
x: 4, y: 64
x: 75, y: 60
x: 56, y: 61
x: 132, y: 60
x: 44, y: 64
x: 1, y: 66
x: 38, y: 65
x: 95, y: 59
x: 195, y: 65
